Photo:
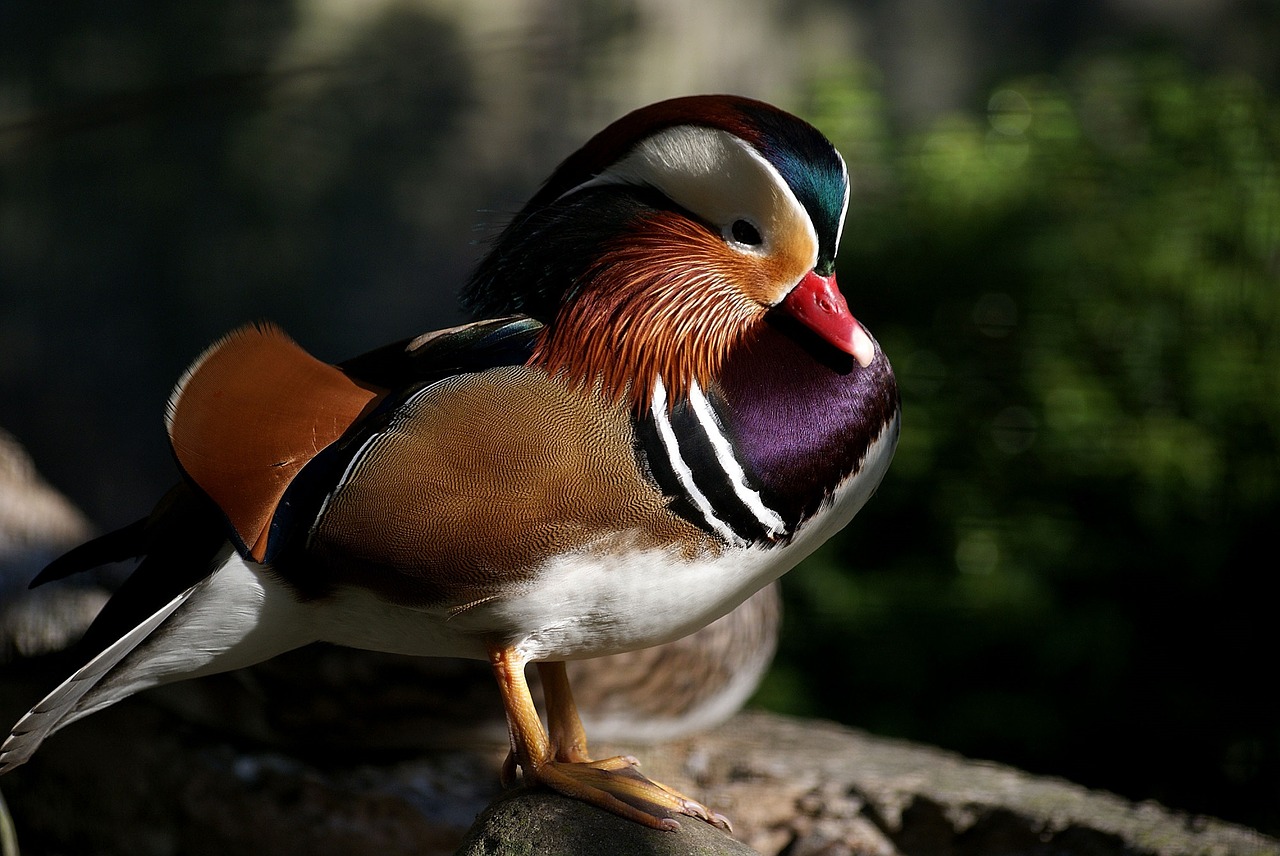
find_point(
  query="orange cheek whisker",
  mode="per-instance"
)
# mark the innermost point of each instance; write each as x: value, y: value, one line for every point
x: 668, y: 302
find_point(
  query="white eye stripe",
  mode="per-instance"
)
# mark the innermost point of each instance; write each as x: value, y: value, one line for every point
x: 718, y: 177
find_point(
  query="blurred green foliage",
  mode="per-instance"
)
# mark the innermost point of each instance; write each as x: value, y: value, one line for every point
x: 1069, y: 566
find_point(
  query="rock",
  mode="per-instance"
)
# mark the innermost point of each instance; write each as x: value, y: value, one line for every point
x: 135, y: 779
x: 539, y: 823
x: 803, y: 787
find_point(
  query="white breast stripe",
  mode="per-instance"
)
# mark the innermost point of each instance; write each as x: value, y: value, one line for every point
x: 659, y: 409
x: 768, y: 518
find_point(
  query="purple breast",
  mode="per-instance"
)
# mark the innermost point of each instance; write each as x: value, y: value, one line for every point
x: 802, y: 418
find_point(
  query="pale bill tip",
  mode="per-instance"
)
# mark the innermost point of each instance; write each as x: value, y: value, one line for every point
x: 864, y: 350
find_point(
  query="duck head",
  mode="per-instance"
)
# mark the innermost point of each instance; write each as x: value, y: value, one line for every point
x: 660, y: 245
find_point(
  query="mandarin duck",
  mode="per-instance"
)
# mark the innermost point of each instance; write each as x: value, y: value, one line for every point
x: 667, y: 406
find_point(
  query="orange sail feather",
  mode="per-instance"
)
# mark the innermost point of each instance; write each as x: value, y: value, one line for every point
x: 249, y: 414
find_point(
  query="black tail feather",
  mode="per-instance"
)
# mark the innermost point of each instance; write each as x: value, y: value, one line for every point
x: 117, y: 546
x: 177, y: 543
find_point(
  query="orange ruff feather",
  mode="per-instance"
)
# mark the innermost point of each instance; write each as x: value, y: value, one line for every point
x: 670, y: 301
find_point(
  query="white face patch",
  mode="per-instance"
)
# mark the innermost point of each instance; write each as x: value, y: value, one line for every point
x: 721, y: 179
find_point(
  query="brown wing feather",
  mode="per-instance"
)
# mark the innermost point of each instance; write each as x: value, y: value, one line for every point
x: 481, y: 478
x: 249, y: 414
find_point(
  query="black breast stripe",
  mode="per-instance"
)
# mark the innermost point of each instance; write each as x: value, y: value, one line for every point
x: 693, y: 461
x: 655, y: 460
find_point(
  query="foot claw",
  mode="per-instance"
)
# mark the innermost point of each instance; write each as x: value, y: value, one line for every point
x: 508, y: 776
x: 701, y: 812
x: 614, y: 784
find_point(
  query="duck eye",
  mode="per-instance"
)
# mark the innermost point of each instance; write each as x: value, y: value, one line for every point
x: 745, y: 233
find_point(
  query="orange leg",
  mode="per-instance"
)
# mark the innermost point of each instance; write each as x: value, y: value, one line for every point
x: 561, y: 762
x: 568, y: 739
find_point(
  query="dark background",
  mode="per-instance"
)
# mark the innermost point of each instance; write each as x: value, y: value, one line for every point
x: 1065, y: 234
